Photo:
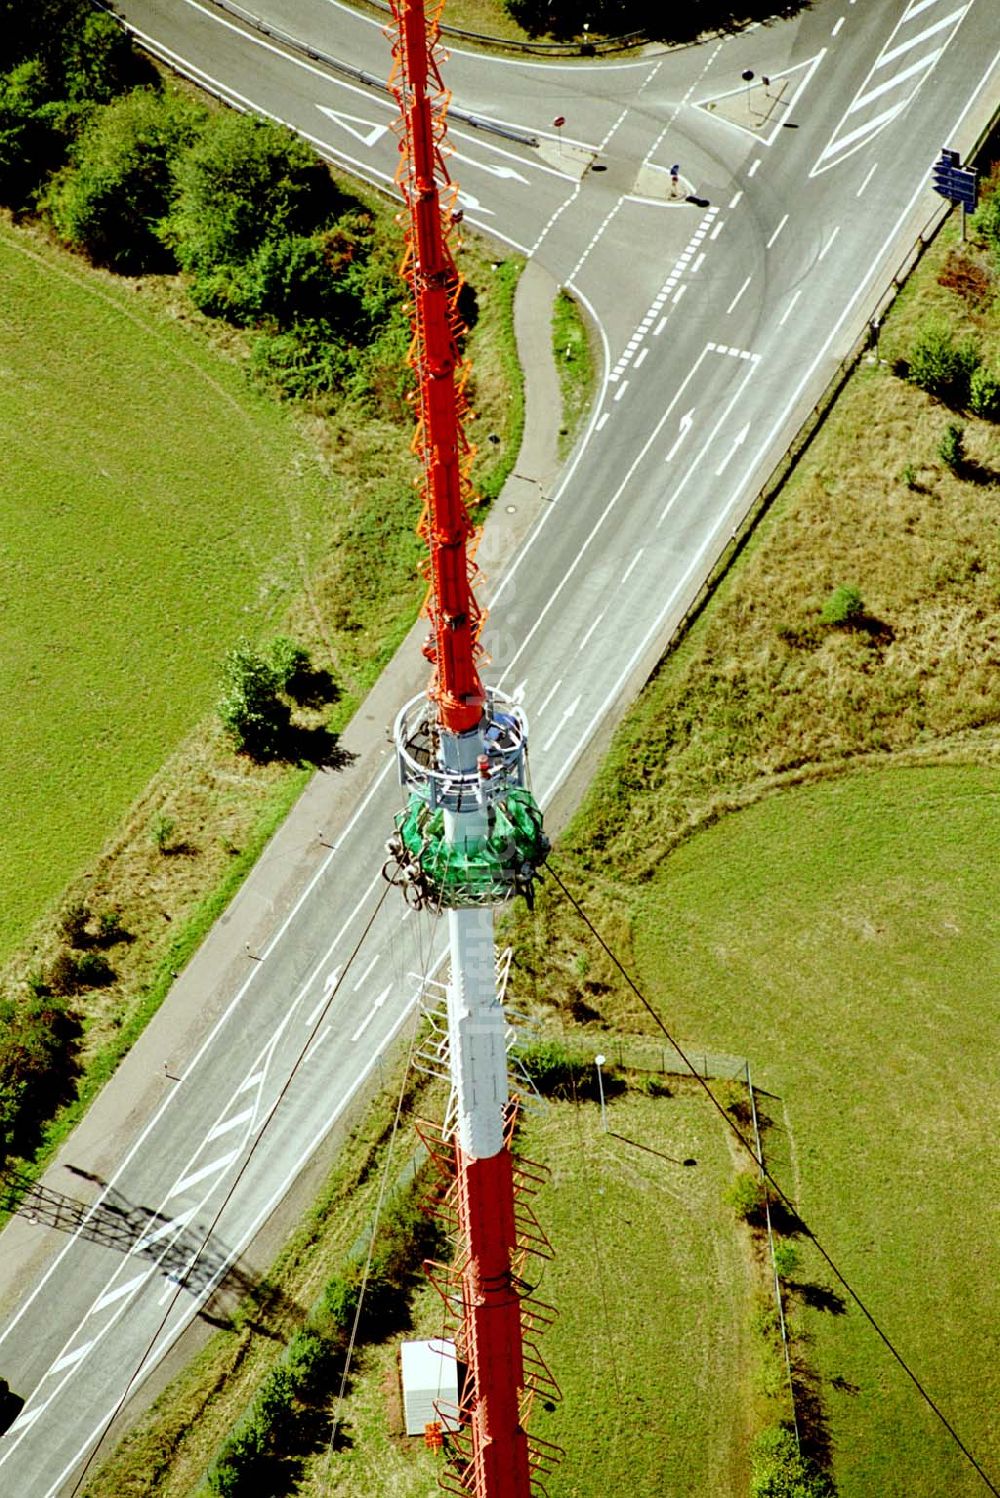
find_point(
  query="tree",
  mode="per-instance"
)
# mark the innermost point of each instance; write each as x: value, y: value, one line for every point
x: 779, y: 1471
x: 110, y: 199
x: 38, y: 1043
x: 34, y: 133
x: 252, y: 712
x: 243, y: 181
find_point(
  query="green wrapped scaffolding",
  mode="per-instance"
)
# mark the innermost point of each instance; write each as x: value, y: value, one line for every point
x: 477, y: 871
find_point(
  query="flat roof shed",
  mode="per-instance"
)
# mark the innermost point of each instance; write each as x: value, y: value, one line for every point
x: 430, y: 1385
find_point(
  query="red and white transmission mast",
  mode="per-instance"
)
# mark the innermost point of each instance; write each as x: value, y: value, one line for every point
x: 470, y: 836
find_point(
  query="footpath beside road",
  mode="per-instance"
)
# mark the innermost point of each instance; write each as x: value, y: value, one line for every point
x: 214, y: 975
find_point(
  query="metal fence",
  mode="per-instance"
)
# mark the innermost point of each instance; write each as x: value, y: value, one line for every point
x: 638, y: 1054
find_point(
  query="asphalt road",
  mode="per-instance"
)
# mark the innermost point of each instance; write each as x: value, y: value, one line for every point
x: 721, y: 321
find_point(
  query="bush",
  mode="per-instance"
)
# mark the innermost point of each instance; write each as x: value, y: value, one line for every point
x: 309, y: 1359
x: 844, y: 606
x: 161, y: 830
x: 109, y: 201
x: 941, y: 366
x: 233, y: 1474
x: 33, y: 134
x: 747, y: 1196
x: 243, y: 181
x: 73, y: 924
x: 984, y: 394
x: 333, y: 1318
x: 952, y: 448
x: 93, y: 970
x: 289, y: 661
x: 38, y: 1044
x: 786, y: 1260
x: 251, y: 711
x: 778, y: 1471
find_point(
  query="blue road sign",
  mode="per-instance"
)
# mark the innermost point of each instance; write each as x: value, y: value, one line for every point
x: 953, y: 181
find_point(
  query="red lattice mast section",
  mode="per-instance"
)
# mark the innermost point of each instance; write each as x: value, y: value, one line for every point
x: 470, y: 838
x: 440, y: 441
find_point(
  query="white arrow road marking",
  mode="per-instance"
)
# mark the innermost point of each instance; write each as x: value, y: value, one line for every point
x: 203, y: 1174
x: 488, y: 166
x: 738, y: 442
x: 368, y: 134
x: 371, y: 1013
x: 110, y: 1296
x: 472, y: 203
x: 328, y: 987
x: 517, y: 695
x: 567, y: 714
x: 251, y: 1081
x: 228, y: 1124
x: 685, y: 427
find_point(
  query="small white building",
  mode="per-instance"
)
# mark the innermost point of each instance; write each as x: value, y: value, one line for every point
x: 430, y: 1385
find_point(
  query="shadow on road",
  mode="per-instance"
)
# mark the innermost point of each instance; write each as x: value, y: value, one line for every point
x: 185, y: 1256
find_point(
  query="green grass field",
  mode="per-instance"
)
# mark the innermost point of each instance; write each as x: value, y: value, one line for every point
x: 155, y: 509
x: 845, y: 938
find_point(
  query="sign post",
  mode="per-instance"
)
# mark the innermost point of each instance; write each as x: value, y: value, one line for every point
x: 955, y: 182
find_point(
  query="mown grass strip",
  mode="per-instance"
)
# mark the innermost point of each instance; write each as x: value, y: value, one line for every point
x: 574, y: 365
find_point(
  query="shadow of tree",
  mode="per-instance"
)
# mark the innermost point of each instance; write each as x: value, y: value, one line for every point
x: 819, y: 1298
x: 811, y: 1414
x: 316, y: 745
x: 313, y: 687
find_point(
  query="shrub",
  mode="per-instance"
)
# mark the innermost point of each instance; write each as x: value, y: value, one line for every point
x: 778, y: 1471
x: 93, y: 970
x: 273, y: 1403
x: 38, y: 1044
x: 242, y: 181
x: 941, y: 366
x: 63, y: 976
x: 233, y: 1474
x: 952, y: 448
x: 843, y: 607
x: 786, y: 1260
x: 161, y: 831
x: 32, y: 138
x: 333, y: 1318
x: 251, y: 711
x: 747, y: 1195
x: 984, y: 394
x: 309, y: 1359
x: 73, y: 924
x: 109, y: 200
